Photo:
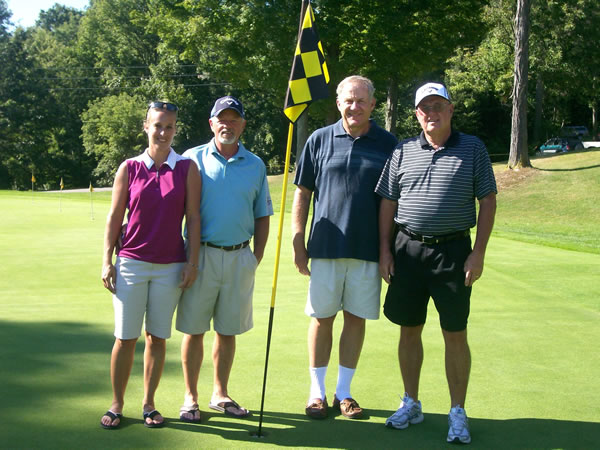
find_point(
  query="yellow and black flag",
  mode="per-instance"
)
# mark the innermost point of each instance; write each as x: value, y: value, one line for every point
x: 309, y: 78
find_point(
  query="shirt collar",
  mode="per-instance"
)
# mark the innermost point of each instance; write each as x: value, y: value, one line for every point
x: 449, y: 142
x: 339, y: 130
x: 240, y: 154
x: 171, y: 159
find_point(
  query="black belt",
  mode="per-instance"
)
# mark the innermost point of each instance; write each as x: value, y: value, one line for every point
x: 227, y: 248
x: 434, y: 239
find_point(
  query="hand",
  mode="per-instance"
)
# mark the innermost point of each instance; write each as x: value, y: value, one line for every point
x: 386, y: 266
x: 109, y: 277
x: 188, y: 276
x: 473, y: 268
x: 301, y: 260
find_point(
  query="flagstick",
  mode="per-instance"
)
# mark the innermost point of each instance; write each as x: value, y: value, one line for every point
x: 92, y: 204
x: 276, y: 271
x: 60, y: 201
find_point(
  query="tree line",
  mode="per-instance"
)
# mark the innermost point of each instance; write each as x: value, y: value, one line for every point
x: 74, y: 87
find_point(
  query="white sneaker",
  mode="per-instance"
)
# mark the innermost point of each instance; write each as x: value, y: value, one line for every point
x: 458, y: 426
x: 409, y: 412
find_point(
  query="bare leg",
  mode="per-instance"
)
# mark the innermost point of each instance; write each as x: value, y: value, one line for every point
x: 154, y: 362
x: 223, y: 355
x: 458, y: 365
x: 192, y: 354
x: 121, y: 362
x: 351, y: 340
x: 410, y: 355
x: 320, y: 338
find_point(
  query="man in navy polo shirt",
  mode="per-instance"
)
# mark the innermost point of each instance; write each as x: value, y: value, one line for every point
x: 428, y: 188
x: 338, y: 169
x: 235, y: 208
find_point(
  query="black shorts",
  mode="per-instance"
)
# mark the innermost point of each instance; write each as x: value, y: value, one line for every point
x: 423, y: 271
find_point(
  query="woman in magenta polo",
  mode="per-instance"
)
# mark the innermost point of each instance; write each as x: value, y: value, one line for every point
x: 158, y: 188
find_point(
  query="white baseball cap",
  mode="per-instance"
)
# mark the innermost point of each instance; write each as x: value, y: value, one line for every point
x: 431, y: 89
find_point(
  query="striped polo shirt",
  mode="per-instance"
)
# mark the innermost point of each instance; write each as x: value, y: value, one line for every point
x: 436, y: 189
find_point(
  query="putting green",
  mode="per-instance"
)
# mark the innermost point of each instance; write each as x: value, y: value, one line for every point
x: 533, y: 331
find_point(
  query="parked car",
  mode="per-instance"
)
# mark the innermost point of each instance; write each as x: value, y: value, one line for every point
x: 555, y: 145
x: 573, y: 134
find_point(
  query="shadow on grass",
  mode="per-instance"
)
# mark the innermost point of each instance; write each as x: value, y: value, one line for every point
x: 574, y: 169
x: 43, y: 365
x: 296, y: 430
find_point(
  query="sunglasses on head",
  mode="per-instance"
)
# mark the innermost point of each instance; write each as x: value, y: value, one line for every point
x: 163, y: 105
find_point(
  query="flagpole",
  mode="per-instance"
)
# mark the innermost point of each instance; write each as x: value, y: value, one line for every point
x: 301, y: 92
x: 288, y: 152
x: 62, y: 185
x: 32, y: 185
x: 91, y: 201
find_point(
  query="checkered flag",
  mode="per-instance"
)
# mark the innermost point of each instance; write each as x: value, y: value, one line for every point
x: 309, y: 78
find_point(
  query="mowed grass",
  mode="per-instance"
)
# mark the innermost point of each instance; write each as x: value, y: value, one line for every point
x: 554, y: 203
x: 533, y: 330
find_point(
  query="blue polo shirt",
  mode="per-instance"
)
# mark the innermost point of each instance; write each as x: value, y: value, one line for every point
x: 235, y: 192
x: 342, y: 172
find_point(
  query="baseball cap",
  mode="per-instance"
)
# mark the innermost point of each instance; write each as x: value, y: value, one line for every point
x: 431, y: 89
x: 227, y: 102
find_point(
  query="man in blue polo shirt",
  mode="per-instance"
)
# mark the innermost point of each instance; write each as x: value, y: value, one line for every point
x: 428, y: 188
x: 338, y: 169
x: 235, y: 208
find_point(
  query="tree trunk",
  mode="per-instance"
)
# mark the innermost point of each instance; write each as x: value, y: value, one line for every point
x: 539, y: 107
x: 519, y: 156
x: 391, y: 109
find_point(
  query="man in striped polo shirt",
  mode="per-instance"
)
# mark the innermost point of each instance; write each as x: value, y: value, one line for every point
x: 428, y: 189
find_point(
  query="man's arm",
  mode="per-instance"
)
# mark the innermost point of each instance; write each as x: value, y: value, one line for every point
x: 387, y: 210
x: 300, y: 209
x: 485, y: 222
x: 261, y: 233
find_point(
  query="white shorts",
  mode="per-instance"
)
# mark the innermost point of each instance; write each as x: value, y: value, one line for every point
x: 347, y: 284
x: 222, y: 292
x: 148, y: 289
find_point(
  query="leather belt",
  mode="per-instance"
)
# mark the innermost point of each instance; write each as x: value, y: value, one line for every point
x: 434, y: 239
x: 228, y: 248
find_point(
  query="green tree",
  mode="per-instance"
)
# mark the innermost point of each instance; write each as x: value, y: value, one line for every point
x: 112, y: 132
x: 51, y: 44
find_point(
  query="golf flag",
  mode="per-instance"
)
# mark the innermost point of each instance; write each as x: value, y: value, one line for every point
x: 308, y: 82
x: 32, y: 178
x: 91, y: 187
x: 62, y: 185
x: 309, y: 77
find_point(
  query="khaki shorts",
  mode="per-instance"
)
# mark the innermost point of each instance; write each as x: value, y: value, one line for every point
x: 347, y: 284
x: 148, y: 289
x: 222, y: 292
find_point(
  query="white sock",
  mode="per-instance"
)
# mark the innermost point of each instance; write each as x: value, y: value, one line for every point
x: 342, y: 389
x: 317, y: 382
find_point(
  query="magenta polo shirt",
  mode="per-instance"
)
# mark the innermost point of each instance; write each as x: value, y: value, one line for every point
x: 156, y: 205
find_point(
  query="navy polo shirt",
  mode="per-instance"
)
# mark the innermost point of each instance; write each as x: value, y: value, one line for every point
x: 342, y: 172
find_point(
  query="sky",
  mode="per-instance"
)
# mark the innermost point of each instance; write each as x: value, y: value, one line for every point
x: 25, y: 12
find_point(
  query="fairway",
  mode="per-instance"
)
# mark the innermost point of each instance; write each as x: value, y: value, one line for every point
x: 534, y: 333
